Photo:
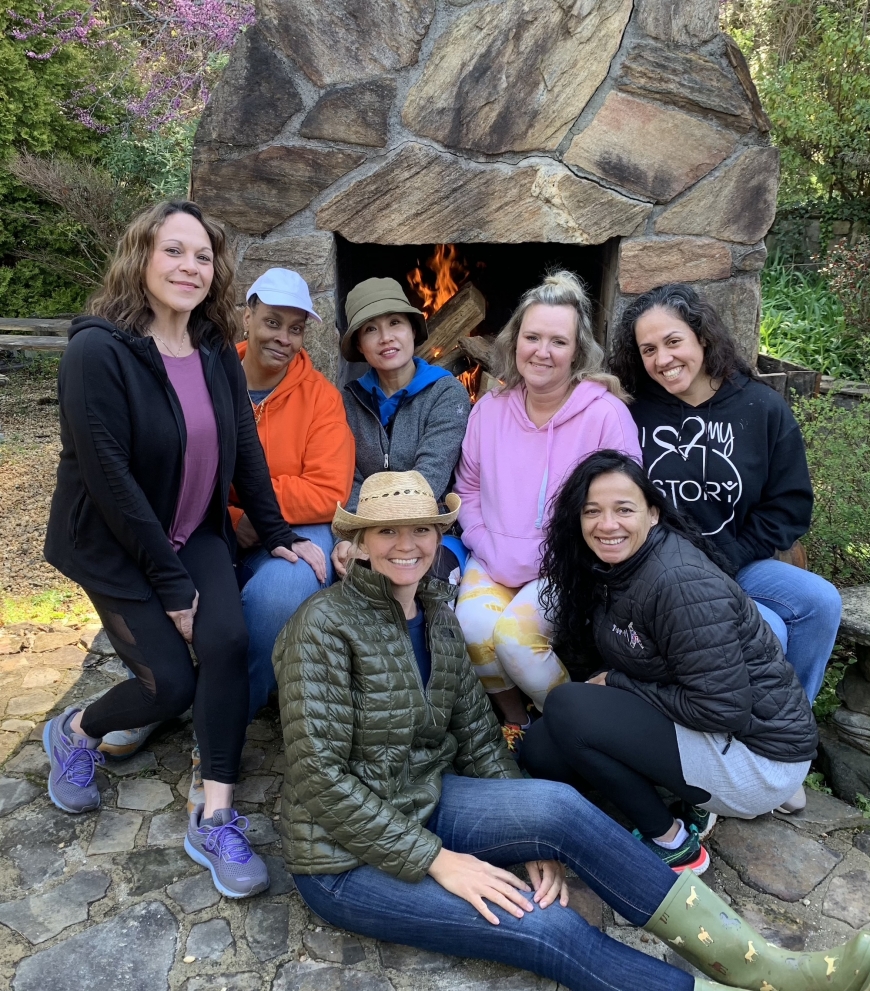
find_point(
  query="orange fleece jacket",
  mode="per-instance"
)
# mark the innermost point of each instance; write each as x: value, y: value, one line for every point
x: 309, y: 447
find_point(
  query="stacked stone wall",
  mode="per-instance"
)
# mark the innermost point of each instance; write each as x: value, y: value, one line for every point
x: 419, y: 121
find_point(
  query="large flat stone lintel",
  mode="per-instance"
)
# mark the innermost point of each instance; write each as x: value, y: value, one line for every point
x: 420, y: 195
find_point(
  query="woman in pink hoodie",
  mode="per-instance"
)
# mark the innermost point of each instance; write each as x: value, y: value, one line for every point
x: 556, y: 407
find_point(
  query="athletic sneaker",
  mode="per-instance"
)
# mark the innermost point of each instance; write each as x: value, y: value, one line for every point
x: 196, y: 792
x: 796, y: 803
x: 73, y: 759
x: 694, y: 815
x: 688, y: 854
x: 221, y: 846
x: 123, y: 743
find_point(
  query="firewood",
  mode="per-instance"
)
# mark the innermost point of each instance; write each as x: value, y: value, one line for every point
x: 487, y: 384
x: 478, y: 350
x: 456, y: 318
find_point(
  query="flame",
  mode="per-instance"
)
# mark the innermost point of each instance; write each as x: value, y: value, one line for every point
x: 450, y: 272
x: 471, y: 381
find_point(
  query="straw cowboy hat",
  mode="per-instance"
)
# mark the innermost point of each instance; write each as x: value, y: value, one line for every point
x: 374, y: 298
x: 395, y: 498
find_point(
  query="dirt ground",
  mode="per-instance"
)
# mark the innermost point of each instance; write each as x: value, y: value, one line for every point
x: 28, y: 462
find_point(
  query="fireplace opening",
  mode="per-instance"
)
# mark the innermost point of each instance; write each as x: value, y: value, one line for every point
x: 470, y: 285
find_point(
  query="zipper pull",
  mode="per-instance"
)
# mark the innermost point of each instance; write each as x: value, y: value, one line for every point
x: 386, y: 460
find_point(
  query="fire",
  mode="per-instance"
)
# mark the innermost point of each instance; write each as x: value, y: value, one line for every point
x: 450, y: 272
x: 471, y: 381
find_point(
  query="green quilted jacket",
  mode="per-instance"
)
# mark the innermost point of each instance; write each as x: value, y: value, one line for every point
x: 366, y: 743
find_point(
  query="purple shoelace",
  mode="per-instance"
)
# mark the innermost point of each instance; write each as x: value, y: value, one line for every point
x: 228, y: 841
x: 79, y: 766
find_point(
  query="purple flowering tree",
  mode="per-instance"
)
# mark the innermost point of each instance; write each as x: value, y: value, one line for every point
x: 160, y: 55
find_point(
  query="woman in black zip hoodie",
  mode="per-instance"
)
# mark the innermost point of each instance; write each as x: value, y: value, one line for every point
x: 155, y: 426
x: 725, y: 449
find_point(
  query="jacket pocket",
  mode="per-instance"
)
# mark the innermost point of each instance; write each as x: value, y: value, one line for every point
x: 76, y: 518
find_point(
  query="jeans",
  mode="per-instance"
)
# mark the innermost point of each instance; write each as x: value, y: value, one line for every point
x: 272, y: 590
x: 509, y: 822
x: 802, y: 609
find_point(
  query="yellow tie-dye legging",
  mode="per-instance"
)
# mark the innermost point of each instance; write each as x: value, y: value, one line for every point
x: 508, y: 635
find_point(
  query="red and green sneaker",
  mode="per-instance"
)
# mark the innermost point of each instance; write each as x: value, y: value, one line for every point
x: 688, y: 854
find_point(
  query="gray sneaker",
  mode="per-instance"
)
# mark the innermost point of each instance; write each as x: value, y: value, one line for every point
x: 236, y: 870
x: 123, y: 743
x: 73, y: 760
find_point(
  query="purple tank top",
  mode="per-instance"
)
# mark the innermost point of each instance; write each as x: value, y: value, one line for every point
x: 199, y: 472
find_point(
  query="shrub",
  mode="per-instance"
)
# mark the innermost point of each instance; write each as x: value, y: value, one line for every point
x: 838, y: 452
x: 847, y: 271
x: 802, y: 320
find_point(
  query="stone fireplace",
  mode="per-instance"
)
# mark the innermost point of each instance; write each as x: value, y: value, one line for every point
x: 621, y: 138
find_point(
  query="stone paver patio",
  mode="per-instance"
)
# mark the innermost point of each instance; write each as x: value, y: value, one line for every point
x: 109, y: 901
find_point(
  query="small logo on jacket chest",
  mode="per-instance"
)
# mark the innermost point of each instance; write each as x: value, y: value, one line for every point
x: 630, y: 634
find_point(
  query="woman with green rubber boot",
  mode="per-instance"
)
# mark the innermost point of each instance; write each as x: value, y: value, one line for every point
x: 402, y: 808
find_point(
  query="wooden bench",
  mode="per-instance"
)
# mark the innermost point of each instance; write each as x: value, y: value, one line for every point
x: 22, y: 342
x: 33, y: 335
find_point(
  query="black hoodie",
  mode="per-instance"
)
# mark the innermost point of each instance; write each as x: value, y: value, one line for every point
x: 736, y: 463
x: 122, y: 437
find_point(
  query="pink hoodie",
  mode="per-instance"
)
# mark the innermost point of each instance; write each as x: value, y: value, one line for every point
x: 510, y: 470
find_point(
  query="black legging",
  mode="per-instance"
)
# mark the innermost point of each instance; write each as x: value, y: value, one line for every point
x: 618, y: 743
x: 166, y: 681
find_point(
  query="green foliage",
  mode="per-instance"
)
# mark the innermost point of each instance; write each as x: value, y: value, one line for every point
x: 33, y: 96
x: 156, y: 161
x: 802, y: 320
x: 827, y: 701
x: 815, y: 781
x: 68, y: 605
x: 838, y: 453
x: 810, y: 60
x: 862, y: 802
x: 847, y: 271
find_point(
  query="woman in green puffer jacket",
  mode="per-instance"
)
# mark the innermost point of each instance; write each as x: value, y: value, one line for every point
x: 402, y: 807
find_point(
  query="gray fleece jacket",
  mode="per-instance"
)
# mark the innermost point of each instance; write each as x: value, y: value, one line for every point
x: 426, y: 434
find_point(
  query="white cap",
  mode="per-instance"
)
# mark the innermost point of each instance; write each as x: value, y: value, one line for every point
x: 282, y: 287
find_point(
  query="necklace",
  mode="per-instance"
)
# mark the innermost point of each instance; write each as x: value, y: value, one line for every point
x: 258, y: 408
x: 168, y: 348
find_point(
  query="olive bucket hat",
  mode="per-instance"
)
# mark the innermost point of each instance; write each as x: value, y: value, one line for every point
x: 374, y: 298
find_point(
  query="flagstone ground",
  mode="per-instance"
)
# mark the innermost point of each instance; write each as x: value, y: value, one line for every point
x: 109, y: 901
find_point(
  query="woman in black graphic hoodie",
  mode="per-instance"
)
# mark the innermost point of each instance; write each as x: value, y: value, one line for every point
x: 725, y: 448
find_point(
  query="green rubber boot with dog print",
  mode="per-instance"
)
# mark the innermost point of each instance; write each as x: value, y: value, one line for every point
x: 708, y: 933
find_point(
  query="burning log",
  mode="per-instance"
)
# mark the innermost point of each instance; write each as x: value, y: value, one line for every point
x: 456, y: 318
x: 478, y: 350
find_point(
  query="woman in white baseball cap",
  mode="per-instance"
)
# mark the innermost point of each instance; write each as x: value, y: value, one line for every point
x: 310, y: 452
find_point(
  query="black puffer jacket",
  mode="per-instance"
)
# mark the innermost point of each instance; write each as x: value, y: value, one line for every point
x: 123, y: 436
x: 672, y: 628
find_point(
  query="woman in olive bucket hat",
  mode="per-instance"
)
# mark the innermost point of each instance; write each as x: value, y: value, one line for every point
x: 403, y: 810
x: 405, y: 414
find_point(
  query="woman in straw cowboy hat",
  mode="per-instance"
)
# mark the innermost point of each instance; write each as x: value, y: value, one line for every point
x: 404, y: 413
x: 402, y: 808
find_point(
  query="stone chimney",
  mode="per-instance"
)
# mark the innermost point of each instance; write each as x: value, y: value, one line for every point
x: 632, y: 128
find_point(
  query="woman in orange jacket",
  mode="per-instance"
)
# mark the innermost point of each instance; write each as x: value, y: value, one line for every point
x: 310, y: 453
